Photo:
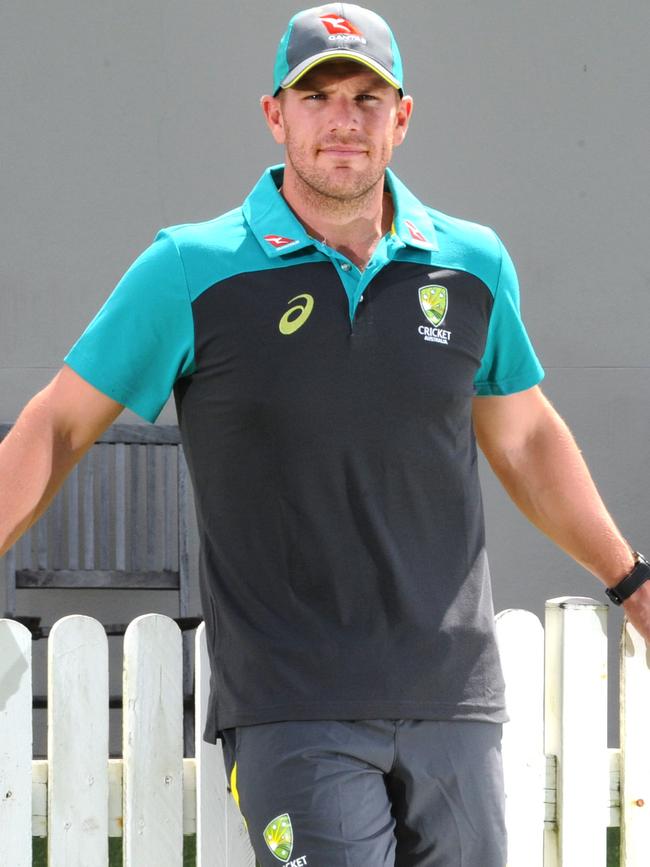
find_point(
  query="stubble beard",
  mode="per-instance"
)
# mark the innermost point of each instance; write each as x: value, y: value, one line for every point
x: 321, y: 191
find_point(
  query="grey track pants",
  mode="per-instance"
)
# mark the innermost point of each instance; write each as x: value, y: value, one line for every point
x: 370, y: 793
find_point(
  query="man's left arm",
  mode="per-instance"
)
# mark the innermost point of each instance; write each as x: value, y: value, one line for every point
x: 536, y: 459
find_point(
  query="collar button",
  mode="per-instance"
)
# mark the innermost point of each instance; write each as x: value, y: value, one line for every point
x: 345, y: 266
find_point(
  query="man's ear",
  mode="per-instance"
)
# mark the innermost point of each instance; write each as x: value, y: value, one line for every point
x: 402, y: 119
x: 272, y: 110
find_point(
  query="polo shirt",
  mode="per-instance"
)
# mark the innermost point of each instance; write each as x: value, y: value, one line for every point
x: 325, y: 414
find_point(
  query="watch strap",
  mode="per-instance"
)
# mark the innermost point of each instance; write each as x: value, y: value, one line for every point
x: 632, y: 581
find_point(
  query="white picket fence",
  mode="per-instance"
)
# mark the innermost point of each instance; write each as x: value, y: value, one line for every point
x: 564, y: 787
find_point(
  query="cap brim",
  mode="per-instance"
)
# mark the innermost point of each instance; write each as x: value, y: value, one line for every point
x: 335, y: 54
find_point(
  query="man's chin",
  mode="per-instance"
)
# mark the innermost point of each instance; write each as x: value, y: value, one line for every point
x: 344, y: 192
x: 344, y: 183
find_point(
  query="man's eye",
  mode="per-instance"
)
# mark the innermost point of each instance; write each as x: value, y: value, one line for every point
x: 315, y: 96
x: 366, y: 97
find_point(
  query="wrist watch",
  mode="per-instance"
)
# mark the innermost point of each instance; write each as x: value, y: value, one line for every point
x: 632, y: 581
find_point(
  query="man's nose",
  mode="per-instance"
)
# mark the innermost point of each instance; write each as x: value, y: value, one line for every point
x: 344, y: 113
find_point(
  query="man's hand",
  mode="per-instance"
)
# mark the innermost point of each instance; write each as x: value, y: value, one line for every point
x: 51, y: 434
x: 534, y: 455
x: 637, y: 610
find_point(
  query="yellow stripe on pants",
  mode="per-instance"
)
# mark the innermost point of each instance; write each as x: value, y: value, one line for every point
x: 235, y: 792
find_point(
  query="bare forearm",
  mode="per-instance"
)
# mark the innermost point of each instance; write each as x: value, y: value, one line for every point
x: 52, y: 433
x: 34, y: 461
x: 535, y: 457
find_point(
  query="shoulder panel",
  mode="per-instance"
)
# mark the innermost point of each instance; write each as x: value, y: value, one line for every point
x: 214, y: 250
x: 468, y: 247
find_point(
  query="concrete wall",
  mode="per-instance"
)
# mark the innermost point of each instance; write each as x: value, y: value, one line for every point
x: 531, y: 117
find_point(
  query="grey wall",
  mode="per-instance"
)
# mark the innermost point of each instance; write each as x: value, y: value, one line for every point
x: 533, y: 117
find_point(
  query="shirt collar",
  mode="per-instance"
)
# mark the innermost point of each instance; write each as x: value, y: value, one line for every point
x: 278, y: 230
x: 412, y: 223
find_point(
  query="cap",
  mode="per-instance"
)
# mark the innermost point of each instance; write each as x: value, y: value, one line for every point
x: 337, y: 31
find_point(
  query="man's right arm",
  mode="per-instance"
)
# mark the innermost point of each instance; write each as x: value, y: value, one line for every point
x: 52, y: 433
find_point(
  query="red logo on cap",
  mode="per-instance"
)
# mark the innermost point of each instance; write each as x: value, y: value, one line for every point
x: 279, y: 241
x: 336, y: 25
x: 416, y: 234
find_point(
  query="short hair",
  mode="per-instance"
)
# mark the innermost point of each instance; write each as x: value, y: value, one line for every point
x: 339, y: 68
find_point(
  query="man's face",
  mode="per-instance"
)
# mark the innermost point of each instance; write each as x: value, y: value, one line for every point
x: 339, y: 126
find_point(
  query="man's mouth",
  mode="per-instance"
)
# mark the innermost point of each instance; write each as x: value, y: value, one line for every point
x: 343, y: 150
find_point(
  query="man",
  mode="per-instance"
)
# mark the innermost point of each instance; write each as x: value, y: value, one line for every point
x: 332, y: 346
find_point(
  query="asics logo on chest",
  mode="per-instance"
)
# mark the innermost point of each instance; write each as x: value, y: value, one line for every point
x: 296, y: 316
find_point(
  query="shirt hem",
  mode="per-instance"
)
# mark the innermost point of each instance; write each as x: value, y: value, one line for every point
x: 508, y: 386
x: 354, y: 710
x: 84, y: 367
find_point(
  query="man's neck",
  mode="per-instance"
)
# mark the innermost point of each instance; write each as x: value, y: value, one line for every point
x: 354, y: 227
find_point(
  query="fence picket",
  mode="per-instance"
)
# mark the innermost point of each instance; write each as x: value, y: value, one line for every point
x: 576, y: 729
x: 153, y: 743
x: 635, y: 749
x: 211, y: 793
x: 39, y: 798
x: 77, y: 743
x: 521, y: 646
x: 222, y: 836
x: 15, y: 744
x: 151, y: 796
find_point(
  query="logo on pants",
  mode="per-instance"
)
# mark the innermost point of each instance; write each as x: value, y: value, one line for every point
x: 278, y: 836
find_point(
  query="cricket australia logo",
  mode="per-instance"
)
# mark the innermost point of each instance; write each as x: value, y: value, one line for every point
x: 434, y: 302
x: 278, y: 836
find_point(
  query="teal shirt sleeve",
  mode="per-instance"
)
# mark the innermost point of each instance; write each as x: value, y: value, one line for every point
x: 509, y: 362
x: 142, y: 339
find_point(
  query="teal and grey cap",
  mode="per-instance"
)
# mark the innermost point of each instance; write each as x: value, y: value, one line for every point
x: 337, y: 31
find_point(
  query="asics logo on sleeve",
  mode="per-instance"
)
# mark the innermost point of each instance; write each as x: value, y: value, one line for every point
x: 296, y: 316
